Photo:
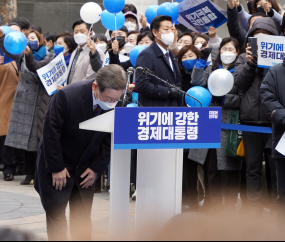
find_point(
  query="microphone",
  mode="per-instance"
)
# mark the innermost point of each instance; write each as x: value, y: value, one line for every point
x: 144, y: 71
x: 130, y: 70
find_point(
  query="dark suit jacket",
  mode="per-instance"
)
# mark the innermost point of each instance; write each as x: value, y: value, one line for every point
x: 153, y: 92
x: 64, y: 145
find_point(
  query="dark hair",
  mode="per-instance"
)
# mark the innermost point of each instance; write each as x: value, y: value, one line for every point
x: 79, y: 22
x: 130, y: 8
x: 68, y: 39
x: 37, y: 28
x: 51, y: 37
x: 23, y: 22
x: 186, y: 34
x: 155, y: 24
x: 274, y: 4
x: 124, y: 29
x: 100, y: 37
x: 184, y: 50
x: 144, y: 34
x: 257, y: 14
x: 14, y: 24
x: 134, y: 32
x: 198, y: 35
x: 39, y: 36
x: 218, y: 62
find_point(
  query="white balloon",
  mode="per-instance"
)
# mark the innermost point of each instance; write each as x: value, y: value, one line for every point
x: 91, y: 13
x: 220, y: 82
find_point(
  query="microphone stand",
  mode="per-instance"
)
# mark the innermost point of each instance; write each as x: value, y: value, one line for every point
x: 148, y: 72
x: 129, y: 73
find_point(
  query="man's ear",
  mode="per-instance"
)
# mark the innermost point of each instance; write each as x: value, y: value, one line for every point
x: 94, y: 86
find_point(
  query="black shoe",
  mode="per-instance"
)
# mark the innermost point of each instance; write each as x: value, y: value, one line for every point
x: 29, y: 180
x: 8, y: 177
x: 1, y: 167
x: 19, y: 171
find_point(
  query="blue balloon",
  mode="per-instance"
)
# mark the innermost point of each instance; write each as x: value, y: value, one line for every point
x: 133, y: 105
x: 135, y: 53
x: 15, y: 42
x: 151, y: 13
x: 114, y: 6
x: 108, y: 20
x: 169, y: 9
x: 6, y: 29
x: 200, y: 93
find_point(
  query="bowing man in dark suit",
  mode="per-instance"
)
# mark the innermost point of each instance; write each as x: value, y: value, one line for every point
x: 70, y: 159
x: 158, y: 59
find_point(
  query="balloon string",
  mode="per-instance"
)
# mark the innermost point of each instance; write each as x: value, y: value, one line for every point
x: 115, y: 26
x: 90, y: 29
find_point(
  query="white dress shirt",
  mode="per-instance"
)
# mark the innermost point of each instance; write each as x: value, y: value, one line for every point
x: 164, y: 53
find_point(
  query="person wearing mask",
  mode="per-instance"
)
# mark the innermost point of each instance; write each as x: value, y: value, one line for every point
x: 267, y: 7
x: 101, y: 42
x: 201, y: 41
x: 80, y: 68
x: 66, y: 168
x: 132, y: 41
x: 248, y: 79
x: 133, y: 23
x: 50, y: 39
x: 64, y: 43
x: 23, y: 123
x: 215, y: 159
x: 273, y: 101
x: 158, y: 59
x: 187, y: 58
x: 180, y: 41
x: 23, y: 22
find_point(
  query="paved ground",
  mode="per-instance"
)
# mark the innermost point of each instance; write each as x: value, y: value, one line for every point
x: 20, y: 208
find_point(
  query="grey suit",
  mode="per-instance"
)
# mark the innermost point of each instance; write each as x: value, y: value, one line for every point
x: 84, y: 70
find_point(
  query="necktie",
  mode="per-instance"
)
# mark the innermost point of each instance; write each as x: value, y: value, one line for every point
x: 72, y: 70
x: 167, y: 56
x: 97, y: 111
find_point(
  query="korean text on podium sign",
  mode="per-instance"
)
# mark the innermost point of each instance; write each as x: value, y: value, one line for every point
x: 167, y: 128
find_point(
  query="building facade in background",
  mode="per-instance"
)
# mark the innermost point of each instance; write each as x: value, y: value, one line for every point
x: 58, y: 15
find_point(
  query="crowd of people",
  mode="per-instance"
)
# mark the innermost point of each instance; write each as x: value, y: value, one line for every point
x: 33, y: 124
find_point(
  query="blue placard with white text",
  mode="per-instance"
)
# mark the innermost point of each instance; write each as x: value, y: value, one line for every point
x: 167, y: 128
x: 203, y: 16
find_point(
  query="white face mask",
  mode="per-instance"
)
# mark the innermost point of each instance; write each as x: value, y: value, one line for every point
x: 199, y: 46
x: 80, y: 39
x: 103, y: 47
x: 122, y: 52
x: 228, y: 58
x: 167, y: 39
x: 128, y: 47
x: 105, y: 105
x: 130, y: 26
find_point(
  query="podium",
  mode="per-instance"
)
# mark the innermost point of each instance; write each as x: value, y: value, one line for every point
x: 159, y: 135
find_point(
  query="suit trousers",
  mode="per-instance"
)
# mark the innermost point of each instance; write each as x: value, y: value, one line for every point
x: 255, y: 151
x: 232, y: 183
x: 190, y: 180
x: 80, y: 220
x: 280, y: 166
x: 30, y: 163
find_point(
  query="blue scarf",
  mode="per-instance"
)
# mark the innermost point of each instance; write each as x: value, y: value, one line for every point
x: 231, y: 71
x: 67, y: 59
x: 40, y: 54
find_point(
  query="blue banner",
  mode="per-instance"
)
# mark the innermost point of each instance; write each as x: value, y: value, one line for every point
x: 167, y: 128
x: 203, y: 16
x: 6, y: 58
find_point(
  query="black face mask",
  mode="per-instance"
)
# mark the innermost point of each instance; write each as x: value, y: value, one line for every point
x: 260, y: 10
x: 121, y: 40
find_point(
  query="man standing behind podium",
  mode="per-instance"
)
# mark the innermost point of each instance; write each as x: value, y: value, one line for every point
x: 158, y: 59
x: 69, y: 159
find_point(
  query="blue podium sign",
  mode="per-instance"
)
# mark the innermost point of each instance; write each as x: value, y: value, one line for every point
x: 167, y: 128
